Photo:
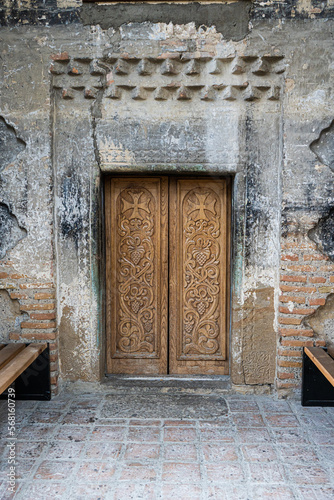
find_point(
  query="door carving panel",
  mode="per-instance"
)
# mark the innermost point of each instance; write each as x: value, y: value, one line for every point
x: 166, y: 275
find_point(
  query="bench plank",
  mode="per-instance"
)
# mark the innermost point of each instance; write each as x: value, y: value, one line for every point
x: 17, y: 366
x: 330, y: 351
x: 322, y: 361
x: 9, y: 352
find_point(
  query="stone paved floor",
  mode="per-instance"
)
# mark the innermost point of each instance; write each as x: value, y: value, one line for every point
x: 69, y: 448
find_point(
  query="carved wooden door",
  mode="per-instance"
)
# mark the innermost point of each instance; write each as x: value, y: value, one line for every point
x: 166, y: 278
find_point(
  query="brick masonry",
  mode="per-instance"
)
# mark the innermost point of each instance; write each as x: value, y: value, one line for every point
x: 37, y: 305
x: 306, y: 280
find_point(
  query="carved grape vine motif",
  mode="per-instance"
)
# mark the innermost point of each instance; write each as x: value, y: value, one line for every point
x: 136, y: 272
x: 201, y: 251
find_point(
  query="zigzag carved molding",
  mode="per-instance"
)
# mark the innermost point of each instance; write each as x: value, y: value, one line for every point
x: 176, y: 77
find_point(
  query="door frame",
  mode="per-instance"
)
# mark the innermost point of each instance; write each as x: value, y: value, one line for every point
x: 229, y: 200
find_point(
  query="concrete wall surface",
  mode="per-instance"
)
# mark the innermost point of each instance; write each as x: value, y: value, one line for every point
x: 240, y: 89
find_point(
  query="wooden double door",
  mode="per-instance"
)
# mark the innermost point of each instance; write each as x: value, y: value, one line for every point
x: 167, y: 246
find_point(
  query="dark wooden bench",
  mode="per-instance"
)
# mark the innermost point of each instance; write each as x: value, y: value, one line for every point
x: 318, y: 376
x: 27, y: 365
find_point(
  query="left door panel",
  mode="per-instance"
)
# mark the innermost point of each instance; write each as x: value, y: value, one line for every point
x: 136, y: 212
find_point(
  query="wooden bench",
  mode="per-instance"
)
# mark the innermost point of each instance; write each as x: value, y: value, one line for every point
x: 318, y: 376
x: 28, y: 366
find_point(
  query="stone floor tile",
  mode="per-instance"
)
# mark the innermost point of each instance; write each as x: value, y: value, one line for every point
x: 224, y: 472
x: 110, y: 421
x: 253, y: 435
x: 147, y: 422
x: 98, y: 491
x: 180, y: 492
x: 142, y: 451
x: 322, y: 436
x: 50, y: 469
x: 227, y: 492
x: 80, y: 417
x: 64, y: 450
x: 272, y: 472
x: 243, y: 405
x: 223, y: 422
x: 272, y: 493
x: 327, y: 453
x: 95, y: 471
x: 219, y: 452
x: 248, y: 420
x: 44, y: 417
x: 181, y: 434
x: 312, y: 421
x: 138, y: 471
x: 292, y: 435
x: 42, y: 490
x: 269, y: 405
x: 301, y: 474
x: 26, y: 449
x: 5, y: 494
x: 176, y: 472
x: 134, y: 491
x: 185, y: 452
x: 316, y: 492
x: 144, y: 434
x: 69, y: 432
x: 108, y: 433
x: 187, y: 423
x: 102, y: 450
x: 24, y: 468
x: 297, y: 454
x: 35, y: 432
x: 280, y: 420
x: 259, y: 453
x: 226, y: 434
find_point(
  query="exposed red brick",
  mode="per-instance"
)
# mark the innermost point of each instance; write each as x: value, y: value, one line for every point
x: 294, y: 354
x: 14, y: 336
x: 290, y: 257
x: 44, y: 296
x: 286, y: 385
x: 289, y: 363
x: 17, y: 295
x: 54, y: 380
x: 302, y: 268
x: 318, y: 256
x: 304, y: 289
x: 40, y: 316
x: 290, y: 321
x: 327, y: 269
x: 292, y: 332
x: 331, y: 279
x: 297, y: 343
x: 3, y: 276
x: 37, y: 307
x: 45, y: 326
x: 320, y: 343
x: 295, y: 279
x: 62, y: 56
x: 34, y: 286
x: 317, y: 279
x: 16, y: 276
x: 304, y: 311
x: 317, y: 302
x: 54, y: 357
x: 283, y: 375
x: 37, y: 336
x: 289, y: 298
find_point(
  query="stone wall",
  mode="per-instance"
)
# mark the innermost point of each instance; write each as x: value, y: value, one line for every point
x: 239, y: 89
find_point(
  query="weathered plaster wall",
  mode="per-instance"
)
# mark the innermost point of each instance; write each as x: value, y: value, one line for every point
x: 245, y: 96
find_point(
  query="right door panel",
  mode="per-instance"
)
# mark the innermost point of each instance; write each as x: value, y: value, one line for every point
x: 198, y: 259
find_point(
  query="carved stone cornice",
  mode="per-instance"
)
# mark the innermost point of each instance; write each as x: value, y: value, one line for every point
x: 175, y: 77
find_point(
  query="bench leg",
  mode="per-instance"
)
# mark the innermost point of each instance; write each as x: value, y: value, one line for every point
x: 316, y: 390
